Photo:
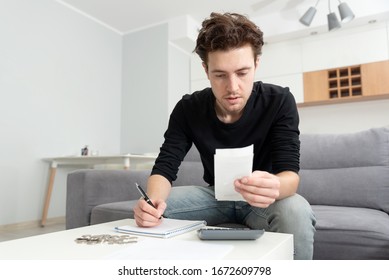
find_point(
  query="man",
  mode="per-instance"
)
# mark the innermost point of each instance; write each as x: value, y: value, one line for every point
x: 235, y: 112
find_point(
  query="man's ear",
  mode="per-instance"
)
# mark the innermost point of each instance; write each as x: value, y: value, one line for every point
x: 205, y: 66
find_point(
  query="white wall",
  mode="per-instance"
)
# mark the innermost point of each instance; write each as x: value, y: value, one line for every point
x: 284, y: 62
x: 281, y: 64
x: 156, y: 74
x: 179, y: 75
x: 344, y: 118
x: 60, y: 88
x: 145, y: 89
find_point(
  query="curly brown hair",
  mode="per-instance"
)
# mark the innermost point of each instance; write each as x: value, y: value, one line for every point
x: 228, y: 31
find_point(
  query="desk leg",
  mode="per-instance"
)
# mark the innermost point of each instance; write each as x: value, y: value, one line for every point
x: 126, y: 163
x: 53, y: 170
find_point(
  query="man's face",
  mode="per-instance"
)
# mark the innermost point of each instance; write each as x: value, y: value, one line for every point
x: 231, y: 74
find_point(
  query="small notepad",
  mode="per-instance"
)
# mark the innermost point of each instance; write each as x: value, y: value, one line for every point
x: 168, y: 228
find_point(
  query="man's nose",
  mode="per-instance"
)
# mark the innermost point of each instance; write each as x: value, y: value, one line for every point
x: 232, y: 83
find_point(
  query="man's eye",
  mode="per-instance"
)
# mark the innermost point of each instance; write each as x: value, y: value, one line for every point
x: 241, y: 74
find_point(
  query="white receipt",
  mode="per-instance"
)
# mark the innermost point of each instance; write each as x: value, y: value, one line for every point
x: 231, y: 164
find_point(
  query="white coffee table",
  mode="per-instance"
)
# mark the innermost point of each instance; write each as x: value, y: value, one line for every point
x: 61, y: 245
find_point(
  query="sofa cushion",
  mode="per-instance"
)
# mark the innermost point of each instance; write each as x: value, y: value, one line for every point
x: 346, y: 169
x: 109, y: 212
x: 191, y: 170
x: 350, y: 233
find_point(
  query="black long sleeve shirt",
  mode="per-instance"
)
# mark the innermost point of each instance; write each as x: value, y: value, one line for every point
x: 269, y: 121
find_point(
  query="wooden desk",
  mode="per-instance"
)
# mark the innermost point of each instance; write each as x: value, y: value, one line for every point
x: 88, y: 162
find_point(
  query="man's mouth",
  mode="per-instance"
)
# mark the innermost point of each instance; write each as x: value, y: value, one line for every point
x: 232, y: 99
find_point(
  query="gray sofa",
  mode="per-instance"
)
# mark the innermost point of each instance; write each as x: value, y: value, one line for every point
x: 345, y: 177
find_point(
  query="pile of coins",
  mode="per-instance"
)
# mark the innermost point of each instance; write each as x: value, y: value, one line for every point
x: 106, y: 238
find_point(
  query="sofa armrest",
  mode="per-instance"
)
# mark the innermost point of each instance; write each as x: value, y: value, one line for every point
x: 88, y: 188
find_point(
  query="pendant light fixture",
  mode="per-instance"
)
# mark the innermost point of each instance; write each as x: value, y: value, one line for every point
x: 307, y: 18
x: 332, y: 19
x: 345, y: 12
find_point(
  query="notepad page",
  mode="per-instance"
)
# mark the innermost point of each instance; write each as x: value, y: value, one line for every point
x: 168, y: 228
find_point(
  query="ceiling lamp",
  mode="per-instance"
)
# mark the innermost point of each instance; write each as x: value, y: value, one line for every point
x: 345, y: 12
x: 332, y: 19
x: 333, y: 22
x: 307, y: 18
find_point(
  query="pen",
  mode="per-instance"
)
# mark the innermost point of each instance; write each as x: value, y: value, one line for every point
x: 144, y: 195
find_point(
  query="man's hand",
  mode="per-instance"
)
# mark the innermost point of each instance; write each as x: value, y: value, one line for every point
x: 260, y: 189
x: 146, y: 215
x: 158, y: 188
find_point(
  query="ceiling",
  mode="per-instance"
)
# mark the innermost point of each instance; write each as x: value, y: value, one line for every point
x: 127, y: 15
x: 277, y: 18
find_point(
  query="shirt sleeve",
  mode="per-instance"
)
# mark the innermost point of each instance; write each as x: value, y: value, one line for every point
x: 175, y: 146
x: 285, y: 142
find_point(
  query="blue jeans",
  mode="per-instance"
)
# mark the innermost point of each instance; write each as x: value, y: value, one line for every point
x: 290, y: 215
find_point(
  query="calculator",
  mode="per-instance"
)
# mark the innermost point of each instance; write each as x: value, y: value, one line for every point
x: 229, y: 233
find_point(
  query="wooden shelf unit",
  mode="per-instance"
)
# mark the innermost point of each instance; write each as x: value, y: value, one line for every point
x: 347, y: 82
x: 344, y: 82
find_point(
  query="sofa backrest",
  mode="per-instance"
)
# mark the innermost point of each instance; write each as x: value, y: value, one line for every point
x: 346, y: 169
x: 350, y: 169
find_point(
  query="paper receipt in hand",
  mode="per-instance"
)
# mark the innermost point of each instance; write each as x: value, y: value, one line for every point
x: 231, y: 164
